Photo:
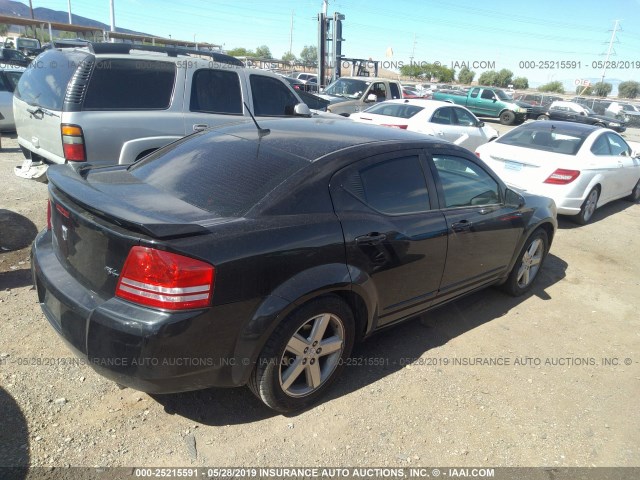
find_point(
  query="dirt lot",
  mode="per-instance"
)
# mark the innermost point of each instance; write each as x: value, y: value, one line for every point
x: 565, y: 394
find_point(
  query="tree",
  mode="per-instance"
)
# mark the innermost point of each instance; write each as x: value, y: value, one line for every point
x: 602, y: 89
x: 465, y: 76
x: 629, y: 89
x: 489, y: 78
x: 412, y: 70
x: 504, y: 78
x: 241, y: 52
x: 4, y: 29
x: 428, y: 70
x: 520, y: 83
x: 309, y: 55
x: 555, y: 87
x: 263, y: 52
x: 289, y: 57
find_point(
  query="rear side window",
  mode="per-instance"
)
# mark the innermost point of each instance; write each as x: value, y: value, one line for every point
x: 271, y: 97
x: 395, y: 91
x: 393, y: 187
x: 124, y: 84
x: 216, y: 91
x: 45, y: 82
x: 221, y: 174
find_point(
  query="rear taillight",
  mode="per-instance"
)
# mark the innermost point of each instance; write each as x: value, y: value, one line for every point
x: 48, y: 214
x: 156, y: 278
x: 73, y: 143
x: 562, y: 176
x: 403, y: 127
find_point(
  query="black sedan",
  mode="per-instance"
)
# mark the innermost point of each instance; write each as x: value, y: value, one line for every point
x: 246, y: 256
x: 574, y: 112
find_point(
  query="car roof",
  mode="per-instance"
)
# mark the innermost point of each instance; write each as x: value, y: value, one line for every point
x: 312, y: 139
x: 421, y: 102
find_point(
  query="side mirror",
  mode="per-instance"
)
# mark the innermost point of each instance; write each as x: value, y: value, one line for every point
x: 583, y: 114
x: 513, y: 199
x: 635, y: 154
x: 371, y: 98
x: 480, y: 124
x: 301, y: 110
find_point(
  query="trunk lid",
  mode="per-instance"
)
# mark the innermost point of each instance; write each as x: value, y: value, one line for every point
x: 96, y: 220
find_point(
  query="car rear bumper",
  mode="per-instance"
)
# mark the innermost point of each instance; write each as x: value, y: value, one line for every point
x: 145, y: 349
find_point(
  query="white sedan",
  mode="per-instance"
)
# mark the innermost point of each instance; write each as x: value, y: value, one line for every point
x: 430, y: 117
x: 581, y: 167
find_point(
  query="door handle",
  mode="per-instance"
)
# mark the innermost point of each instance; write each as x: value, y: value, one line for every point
x: 461, y: 226
x: 373, y: 238
x: 198, y: 127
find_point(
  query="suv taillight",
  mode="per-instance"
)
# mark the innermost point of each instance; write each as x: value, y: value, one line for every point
x: 156, y: 278
x: 48, y: 214
x: 73, y: 143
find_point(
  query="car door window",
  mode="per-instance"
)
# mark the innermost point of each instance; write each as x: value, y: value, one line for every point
x: 601, y: 146
x: 487, y: 95
x: 395, y: 91
x: 474, y: 92
x: 465, y: 183
x: 393, y: 187
x: 271, y: 97
x: 379, y: 90
x: 216, y: 91
x: 12, y: 79
x: 442, y: 116
x: 464, y: 118
x: 617, y: 145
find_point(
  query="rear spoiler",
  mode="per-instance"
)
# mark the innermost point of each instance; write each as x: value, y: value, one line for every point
x: 70, y: 183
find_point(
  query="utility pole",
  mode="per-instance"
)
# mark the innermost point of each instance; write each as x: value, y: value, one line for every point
x: 113, y: 18
x: 606, y: 60
x: 69, y: 5
x: 31, y: 9
x: 413, y: 51
x: 291, y: 33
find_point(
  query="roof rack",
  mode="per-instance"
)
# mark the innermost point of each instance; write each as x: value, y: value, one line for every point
x: 125, y: 48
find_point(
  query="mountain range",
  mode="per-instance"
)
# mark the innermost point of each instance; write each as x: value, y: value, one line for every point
x: 18, y: 9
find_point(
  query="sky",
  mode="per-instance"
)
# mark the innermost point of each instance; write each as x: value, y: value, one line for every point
x: 487, y: 35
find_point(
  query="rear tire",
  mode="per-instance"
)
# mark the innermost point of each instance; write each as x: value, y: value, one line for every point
x: 599, y: 125
x: 507, y: 117
x: 304, y: 355
x: 543, y: 117
x: 528, y: 264
x: 635, y: 193
x: 588, y: 207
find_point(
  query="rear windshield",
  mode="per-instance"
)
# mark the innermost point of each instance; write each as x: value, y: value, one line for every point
x: 557, y: 140
x: 400, y: 110
x: 221, y: 174
x: 129, y: 84
x: 44, y: 83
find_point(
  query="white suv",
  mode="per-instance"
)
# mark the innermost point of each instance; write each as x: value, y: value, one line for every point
x: 115, y: 103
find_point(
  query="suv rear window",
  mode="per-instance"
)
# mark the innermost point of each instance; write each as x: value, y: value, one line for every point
x: 45, y: 82
x: 222, y: 174
x: 128, y: 84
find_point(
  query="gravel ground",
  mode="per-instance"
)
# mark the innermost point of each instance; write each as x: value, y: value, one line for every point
x: 566, y: 393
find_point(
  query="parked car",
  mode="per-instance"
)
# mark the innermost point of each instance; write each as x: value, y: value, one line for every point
x: 488, y: 102
x: 409, y: 92
x: 628, y: 113
x: 255, y: 256
x: 10, y: 56
x: 305, y: 77
x: 30, y: 47
x: 437, y: 119
x: 302, y: 86
x: 581, y: 167
x: 9, y: 77
x: 537, y: 99
x: 573, y: 112
x: 115, y: 103
x: 353, y: 94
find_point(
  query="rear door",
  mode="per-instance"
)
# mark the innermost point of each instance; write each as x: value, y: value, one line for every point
x: 618, y: 173
x: 483, y: 231
x: 394, y: 234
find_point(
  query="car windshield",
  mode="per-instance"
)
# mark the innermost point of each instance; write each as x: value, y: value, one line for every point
x: 589, y: 110
x: 400, y: 110
x: 27, y: 43
x: 558, y: 140
x: 347, y: 87
x: 501, y: 95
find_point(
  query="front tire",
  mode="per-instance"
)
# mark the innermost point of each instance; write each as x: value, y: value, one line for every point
x: 507, y: 117
x: 588, y: 207
x: 528, y: 265
x: 304, y: 355
x: 543, y: 117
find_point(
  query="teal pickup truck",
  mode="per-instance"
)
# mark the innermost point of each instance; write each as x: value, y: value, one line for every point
x: 488, y: 102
